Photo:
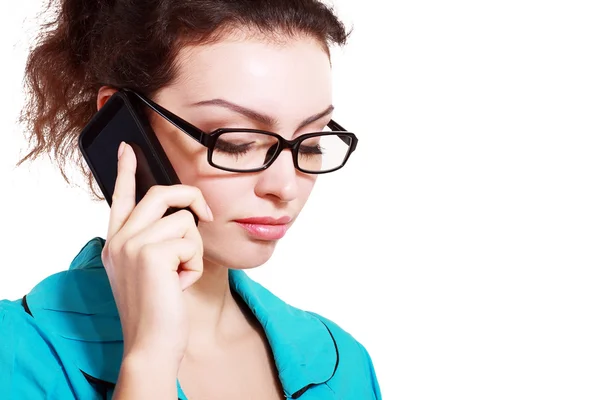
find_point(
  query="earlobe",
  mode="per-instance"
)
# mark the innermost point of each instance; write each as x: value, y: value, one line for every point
x: 104, y: 93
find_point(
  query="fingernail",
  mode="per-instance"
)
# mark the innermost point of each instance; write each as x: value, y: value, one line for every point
x: 210, y: 214
x: 121, y: 149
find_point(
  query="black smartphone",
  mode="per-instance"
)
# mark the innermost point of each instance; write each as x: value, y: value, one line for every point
x: 122, y: 119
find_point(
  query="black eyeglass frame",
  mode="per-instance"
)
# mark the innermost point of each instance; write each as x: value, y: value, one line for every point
x: 209, y: 139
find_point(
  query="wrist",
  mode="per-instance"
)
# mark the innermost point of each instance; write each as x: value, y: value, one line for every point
x: 146, y: 375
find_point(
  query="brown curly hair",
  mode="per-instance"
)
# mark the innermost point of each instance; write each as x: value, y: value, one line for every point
x: 134, y: 43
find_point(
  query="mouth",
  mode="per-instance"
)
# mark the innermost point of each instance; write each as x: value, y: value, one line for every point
x: 265, y: 228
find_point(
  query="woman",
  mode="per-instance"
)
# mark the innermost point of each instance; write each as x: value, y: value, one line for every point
x: 162, y: 308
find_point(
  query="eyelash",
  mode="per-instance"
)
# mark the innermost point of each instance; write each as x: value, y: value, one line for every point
x: 311, y: 150
x: 231, y: 148
x: 242, y: 149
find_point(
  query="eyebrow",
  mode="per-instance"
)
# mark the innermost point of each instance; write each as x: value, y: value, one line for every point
x: 258, y: 116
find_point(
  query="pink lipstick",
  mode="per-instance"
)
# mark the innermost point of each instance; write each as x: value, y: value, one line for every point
x: 265, y: 228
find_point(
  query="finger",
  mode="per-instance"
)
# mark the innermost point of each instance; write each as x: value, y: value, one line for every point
x: 155, y: 203
x: 175, y: 226
x: 191, y: 270
x: 183, y: 254
x: 123, y: 199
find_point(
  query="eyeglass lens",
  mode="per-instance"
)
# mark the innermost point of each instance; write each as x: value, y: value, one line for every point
x: 252, y: 150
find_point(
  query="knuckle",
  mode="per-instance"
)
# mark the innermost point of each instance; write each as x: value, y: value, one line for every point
x: 183, y: 220
x: 105, y: 255
x: 146, y: 254
x: 198, y: 192
x: 192, y: 190
x: 112, y: 247
x: 156, y: 191
x: 130, y: 248
x: 199, y: 248
x: 187, y: 217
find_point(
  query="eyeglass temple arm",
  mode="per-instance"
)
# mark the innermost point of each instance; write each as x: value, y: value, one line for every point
x: 187, y: 128
x: 337, y: 127
x: 176, y: 121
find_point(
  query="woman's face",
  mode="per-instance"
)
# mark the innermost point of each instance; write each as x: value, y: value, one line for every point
x: 260, y: 85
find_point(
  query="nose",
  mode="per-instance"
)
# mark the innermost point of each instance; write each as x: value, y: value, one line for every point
x: 280, y: 180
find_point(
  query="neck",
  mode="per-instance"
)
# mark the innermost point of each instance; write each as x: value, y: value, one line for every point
x: 213, y: 311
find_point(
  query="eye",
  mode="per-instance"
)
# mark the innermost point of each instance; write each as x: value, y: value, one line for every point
x: 311, y: 150
x: 311, y: 146
x: 231, y: 147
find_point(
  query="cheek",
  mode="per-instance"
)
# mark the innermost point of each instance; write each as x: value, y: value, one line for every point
x: 225, y: 195
x: 306, y: 184
x: 189, y: 159
x: 183, y: 152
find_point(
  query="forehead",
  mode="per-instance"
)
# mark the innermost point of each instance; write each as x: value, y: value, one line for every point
x: 284, y: 77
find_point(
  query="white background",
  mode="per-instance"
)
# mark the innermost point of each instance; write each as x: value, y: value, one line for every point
x: 460, y: 244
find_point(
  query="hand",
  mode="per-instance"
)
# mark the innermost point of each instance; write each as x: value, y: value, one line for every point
x: 151, y: 260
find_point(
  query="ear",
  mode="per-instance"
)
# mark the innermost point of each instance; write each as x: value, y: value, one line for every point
x: 104, y: 93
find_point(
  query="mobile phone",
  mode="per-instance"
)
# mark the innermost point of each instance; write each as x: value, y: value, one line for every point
x: 122, y: 119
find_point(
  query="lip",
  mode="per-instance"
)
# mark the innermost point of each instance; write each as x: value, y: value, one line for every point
x: 265, y: 220
x: 265, y: 228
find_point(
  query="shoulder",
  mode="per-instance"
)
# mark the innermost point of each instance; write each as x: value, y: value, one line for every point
x: 355, y: 370
x: 28, y: 361
x: 343, y: 338
x: 52, y: 332
x: 312, y: 352
x: 21, y: 336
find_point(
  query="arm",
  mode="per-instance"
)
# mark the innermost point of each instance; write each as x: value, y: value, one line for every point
x: 146, y: 376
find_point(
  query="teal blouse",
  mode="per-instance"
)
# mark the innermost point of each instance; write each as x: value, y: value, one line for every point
x: 63, y: 340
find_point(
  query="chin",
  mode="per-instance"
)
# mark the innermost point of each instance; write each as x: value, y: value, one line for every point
x: 247, y: 255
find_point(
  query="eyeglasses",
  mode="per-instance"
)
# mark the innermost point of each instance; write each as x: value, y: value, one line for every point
x: 253, y: 150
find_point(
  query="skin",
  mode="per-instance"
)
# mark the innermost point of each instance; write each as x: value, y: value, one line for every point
x: 169, y: 276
